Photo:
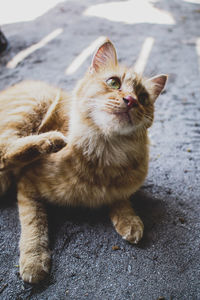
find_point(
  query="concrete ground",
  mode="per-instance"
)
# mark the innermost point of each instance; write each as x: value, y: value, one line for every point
x: 165, y: 265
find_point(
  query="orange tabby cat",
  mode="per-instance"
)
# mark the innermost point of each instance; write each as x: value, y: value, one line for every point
x: 101, y: 132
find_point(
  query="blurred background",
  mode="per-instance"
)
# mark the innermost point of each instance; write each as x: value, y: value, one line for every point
x: 54, y: 41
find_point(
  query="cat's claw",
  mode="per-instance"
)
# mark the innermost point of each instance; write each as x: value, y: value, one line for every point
x: 130, y: 228
x: 53, y: 143
x: 135, y: 237
x: 34, y: 269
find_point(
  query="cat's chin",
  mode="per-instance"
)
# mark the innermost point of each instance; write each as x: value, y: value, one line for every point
x: 123, y: 123
x: 115, y: 123
x: 123, y: 117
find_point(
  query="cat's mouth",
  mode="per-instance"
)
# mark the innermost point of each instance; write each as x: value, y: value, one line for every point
x: 123, y: 116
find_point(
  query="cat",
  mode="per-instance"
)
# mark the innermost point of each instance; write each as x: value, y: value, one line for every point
x: 87, y: 148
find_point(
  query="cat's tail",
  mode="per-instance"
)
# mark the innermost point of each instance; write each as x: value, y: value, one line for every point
x: 5, y: 181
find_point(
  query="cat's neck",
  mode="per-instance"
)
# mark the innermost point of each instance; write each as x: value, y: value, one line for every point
x: 107, y: 150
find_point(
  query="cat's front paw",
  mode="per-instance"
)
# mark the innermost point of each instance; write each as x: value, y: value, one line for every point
x: 53, y: 142
x: 130, y: 228
x: 34, y: 268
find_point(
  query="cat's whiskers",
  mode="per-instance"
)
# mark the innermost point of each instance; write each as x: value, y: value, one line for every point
x: 148, y: 117
x: 142, y: 114
x: 111, y: 105
x: 112, y: 109
x: 114, y: 101
x: 146, y: 120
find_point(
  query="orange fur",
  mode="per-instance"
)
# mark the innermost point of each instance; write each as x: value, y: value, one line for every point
x: 104, y: 162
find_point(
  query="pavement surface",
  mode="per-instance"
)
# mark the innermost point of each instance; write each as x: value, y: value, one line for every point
x: 166, y: 264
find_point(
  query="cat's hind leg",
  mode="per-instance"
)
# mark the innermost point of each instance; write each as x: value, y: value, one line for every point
x: 34, y: 252
x: 27, y: 149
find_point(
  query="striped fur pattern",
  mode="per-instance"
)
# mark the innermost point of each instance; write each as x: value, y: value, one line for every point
x: 86, y: 148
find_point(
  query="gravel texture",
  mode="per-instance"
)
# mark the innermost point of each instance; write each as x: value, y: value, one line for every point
x: 90, y: 260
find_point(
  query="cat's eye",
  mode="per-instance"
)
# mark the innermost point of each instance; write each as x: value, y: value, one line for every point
x: 143, y: 98
x: 114, y: 83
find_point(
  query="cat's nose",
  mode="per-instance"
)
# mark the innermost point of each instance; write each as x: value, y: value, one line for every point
x: 130, y: 101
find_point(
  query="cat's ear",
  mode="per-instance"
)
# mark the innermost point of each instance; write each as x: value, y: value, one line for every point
x: 159, y: 83
x: 105, y: 57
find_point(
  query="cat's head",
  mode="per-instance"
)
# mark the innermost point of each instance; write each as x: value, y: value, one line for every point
x: 113, y: 98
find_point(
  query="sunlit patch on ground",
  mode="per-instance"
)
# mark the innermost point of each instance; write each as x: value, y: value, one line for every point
x: 144, y: 55
x: 19, y: 57
x: 13, y: 11
x: 192, y: 1
x: 131, y: 12
x: 198, y: 50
